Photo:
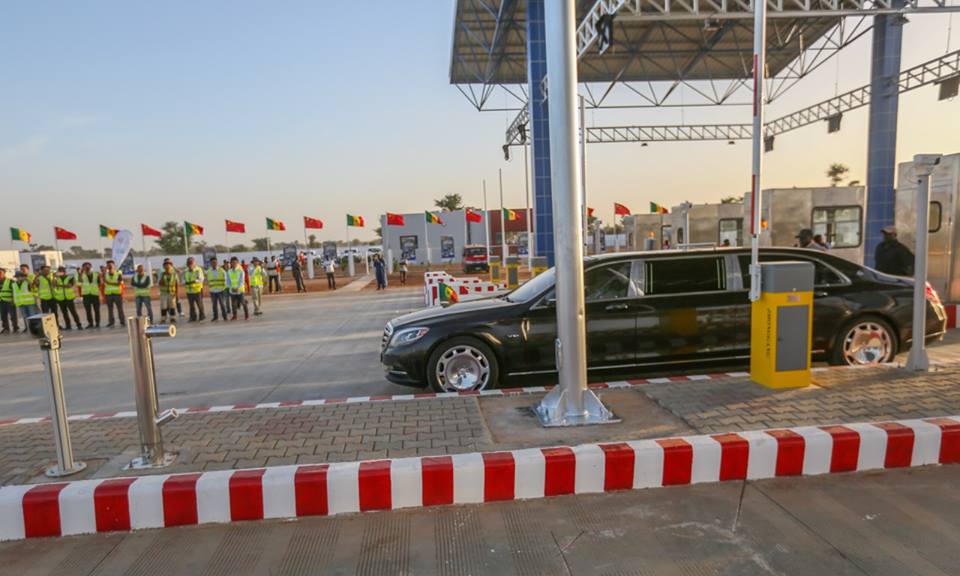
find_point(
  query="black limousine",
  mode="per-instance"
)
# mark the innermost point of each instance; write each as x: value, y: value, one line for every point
x: 649, y: 311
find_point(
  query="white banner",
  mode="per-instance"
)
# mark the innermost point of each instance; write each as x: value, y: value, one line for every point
x: 121, y: 246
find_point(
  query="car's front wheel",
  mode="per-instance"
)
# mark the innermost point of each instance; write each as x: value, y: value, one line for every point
x: 865, y: 341
x: 462, y: 364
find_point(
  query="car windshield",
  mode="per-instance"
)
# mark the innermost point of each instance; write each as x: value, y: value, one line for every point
x: 533, y: 287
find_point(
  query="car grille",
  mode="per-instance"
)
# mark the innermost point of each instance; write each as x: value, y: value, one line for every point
x: 387, y: 333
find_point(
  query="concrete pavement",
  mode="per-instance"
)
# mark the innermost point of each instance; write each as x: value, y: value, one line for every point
x: 895, y: 523
x: 304, y: 346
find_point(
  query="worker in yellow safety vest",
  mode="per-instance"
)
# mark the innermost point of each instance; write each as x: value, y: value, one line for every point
x: 64, y: 293
x: 236, y: 285
x: 169, y: 284
x: 217, y: 284
x: 113, y: 293
x: 43, y: 283
x: 89, y: 280
x: 141, y: 292
x: 258, y: 277
x: 193, y: 283
x: 23, y: 297
x: 8, y: 310
x: 29, y: 276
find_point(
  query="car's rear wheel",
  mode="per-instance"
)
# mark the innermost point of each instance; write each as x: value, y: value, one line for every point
x: 865, y: 341
x: 461, y: 365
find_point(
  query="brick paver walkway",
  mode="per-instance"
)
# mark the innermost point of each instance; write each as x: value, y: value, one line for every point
x: 370, y: 430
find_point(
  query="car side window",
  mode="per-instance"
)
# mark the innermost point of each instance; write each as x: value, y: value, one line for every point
x: 823, y: 275
x: 684, y: 275
x: 608, y: 282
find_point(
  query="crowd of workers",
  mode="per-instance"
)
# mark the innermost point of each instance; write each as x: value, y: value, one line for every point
x: 29, y: 293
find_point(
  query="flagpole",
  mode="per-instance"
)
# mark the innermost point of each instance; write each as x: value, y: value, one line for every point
x: 56, y: 242
x: 186, y: 241
x: 616, y: 240
x: 486, y: 223
x: 385, y: 248
x: 426, y: 239
x: 503, y: 226
x: 350, y: 268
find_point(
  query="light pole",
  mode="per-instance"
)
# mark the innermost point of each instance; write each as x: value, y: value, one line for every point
x: 571, y: 403
x: 759, y: 54
x: 923, y: 165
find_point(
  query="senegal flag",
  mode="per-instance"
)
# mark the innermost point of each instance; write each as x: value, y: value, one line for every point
x: 19, y: 234
x: 107, y: 232
x: 192, y: 229
x: 355, y: 221
x: 447, y: 293
x: 509, y: 215
x: 275, y: 225
x: 658, y: 209
x: 432, y: 218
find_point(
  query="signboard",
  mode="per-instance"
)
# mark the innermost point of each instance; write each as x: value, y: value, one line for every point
x: 37, y: 261
x: 120, y: 248
x: 408, y: 248
x: 522, y: 244
x: 329, y: 250
x: 208, y: 253
x: 447, y: 251
x: 289, y: 255
x: 127, y: 267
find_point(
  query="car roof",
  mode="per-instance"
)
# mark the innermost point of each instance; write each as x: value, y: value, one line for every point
x: 719, y: 250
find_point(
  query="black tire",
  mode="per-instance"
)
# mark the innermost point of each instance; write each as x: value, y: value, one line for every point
x: 468, y: 350
x: 839, y: 354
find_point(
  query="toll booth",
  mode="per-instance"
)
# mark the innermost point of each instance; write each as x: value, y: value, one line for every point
x: 781, y: 325
x: 641, y: 228
x: 710, y: 225
x: 513, y: 272
x: 943, y: 244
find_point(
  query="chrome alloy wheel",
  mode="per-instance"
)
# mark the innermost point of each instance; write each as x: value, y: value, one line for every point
x: 463, y: 368
x: 867, y: 343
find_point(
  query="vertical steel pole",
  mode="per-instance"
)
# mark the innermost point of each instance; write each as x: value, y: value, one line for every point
x: 583, y: 171
x: 486, y: 223
x: 759, y: 53
x: 918, y: 360
x: 66, y: 465
x: 152, y: 454
x: 350, y: 266
x: 503, y: 227
x: 569, y: 403
x: 426, y: 239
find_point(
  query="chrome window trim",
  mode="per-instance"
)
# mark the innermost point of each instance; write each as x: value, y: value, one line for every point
x: 844, y: 279
x: 722, y: 257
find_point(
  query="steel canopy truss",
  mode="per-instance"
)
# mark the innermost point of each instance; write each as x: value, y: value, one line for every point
x: 930, y: 72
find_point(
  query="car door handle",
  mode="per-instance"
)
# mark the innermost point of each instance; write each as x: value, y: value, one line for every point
x: 820, y: 294
x: 616, y: 307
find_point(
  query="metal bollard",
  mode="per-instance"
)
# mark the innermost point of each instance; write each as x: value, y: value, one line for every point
x: 44, y: 327
x: 152, y: 454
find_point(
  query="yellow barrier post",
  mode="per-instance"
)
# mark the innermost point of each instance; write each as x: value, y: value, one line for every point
x: 513, y: 272
x: 781, y: 325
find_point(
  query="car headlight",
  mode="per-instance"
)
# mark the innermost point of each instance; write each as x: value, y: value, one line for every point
x: 408, y: 336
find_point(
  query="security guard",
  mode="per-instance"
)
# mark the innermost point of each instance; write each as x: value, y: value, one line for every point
x: 113, y: 293
x: 217, y: 284
x: 43, y: 283
x: 90, y: 293
x: 258, y: 277
x: 236, y: 284
x: 64, y: 292
x: 8, y: 310
x: 193, y: 282
x: 141, y: 292
x: 23, y: 297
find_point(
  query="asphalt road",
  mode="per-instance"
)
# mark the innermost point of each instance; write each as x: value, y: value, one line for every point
x: 893, y: 523
x: 304, y: 346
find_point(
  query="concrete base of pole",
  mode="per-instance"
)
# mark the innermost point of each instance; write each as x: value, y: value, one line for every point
x: 56, y: 472
x: 918, y: 361
x: 553, y: 410
x: 145, y: 463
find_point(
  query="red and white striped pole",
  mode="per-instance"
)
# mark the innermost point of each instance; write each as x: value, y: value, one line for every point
x: 759, y: 50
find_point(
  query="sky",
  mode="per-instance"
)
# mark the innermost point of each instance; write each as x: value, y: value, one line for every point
x: 121, y: 113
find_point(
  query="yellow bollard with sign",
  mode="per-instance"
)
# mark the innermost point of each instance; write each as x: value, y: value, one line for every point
x: 495, y: 272
x: 539, y: 265
x: 781, y: 325
x: 513, y: 272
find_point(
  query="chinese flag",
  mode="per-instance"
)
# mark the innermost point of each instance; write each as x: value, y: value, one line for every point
x: 238, y: 227
x: 148, y: 231
x: 394, y: 219
x: 620, y: 210
x: 63, y: 233
x: 309, y: 222
x: 474, y: 216
x: 589, y: 212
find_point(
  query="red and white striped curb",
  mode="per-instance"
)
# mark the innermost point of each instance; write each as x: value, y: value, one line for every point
x: 386, y: 398
x: 122, y: 504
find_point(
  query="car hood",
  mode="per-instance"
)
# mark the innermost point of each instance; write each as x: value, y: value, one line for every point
x: 428, y: 315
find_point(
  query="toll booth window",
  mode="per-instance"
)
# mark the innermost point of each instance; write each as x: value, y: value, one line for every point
x: 731, y: 232
x: 684, y: 275
x: 607, y: 282
x: 935, y: 217
x: 823, y: 275
x: 839, y: 225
